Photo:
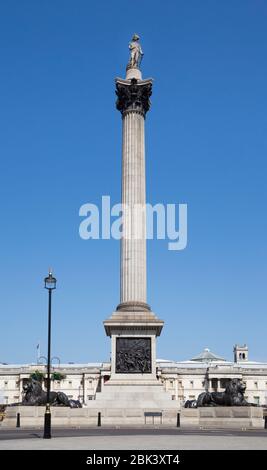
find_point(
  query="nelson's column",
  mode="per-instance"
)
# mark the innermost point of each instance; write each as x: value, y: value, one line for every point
x: 133, y: 327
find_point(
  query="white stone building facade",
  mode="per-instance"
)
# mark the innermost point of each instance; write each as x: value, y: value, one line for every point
x: 183, y: 380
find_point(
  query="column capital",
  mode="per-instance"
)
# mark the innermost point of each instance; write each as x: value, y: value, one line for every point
x: 133, y: 95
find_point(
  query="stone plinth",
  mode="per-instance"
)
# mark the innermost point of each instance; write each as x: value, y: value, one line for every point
x: 136, y: 325
x: 133, y: 72
x: 223, y: 417
x: 125, y: 404
x: 118, y: 407
x: 33, y: 416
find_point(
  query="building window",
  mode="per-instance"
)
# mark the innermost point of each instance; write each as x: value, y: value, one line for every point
x: 173, y: 397
x: 192, y: 383
x: 5, y: 384
x: 70, y: 396
x: 256, y: 400
x: 224, y: 382
x: 70, y: 383
x: 90, y: 397
x: 171, y: 382
x: 214, y: 383
x: 192, y: 397
x: 256, y: 384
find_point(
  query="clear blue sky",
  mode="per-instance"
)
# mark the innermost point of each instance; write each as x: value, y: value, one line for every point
x: 60, y: 147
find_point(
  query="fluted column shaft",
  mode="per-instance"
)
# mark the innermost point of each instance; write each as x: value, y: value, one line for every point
x: 133, y: 242
x: 133, y: 102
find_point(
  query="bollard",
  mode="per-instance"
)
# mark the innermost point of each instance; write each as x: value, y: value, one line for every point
x: 18, y: 420
x: 178, y: 420
x: 265, y: 422
x: 99, y: 419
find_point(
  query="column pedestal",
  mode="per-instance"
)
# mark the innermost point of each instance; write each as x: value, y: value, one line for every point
x: 133, y: 346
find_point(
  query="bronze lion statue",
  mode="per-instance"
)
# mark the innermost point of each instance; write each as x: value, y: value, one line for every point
x: 34, y: 395
x: 232, y: 396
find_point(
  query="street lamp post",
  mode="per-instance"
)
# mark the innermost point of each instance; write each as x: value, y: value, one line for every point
x: 50, y: 284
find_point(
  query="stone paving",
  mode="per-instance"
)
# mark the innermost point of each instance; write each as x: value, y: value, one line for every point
x: 135, y: 442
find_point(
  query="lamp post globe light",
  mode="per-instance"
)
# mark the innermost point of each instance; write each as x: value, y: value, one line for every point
x: 50, y: 284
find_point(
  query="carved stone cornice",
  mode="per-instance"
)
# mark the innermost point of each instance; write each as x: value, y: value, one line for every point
x: 133, y: 95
